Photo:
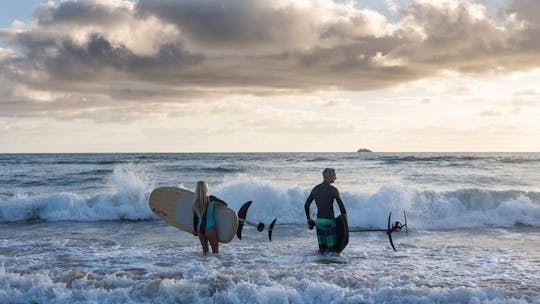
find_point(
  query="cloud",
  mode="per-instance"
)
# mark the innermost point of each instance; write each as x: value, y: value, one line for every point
x: 526, y: 93
x: 526, y: 10
x: 83, y: 13
x: 489, y: 113
x: 118, y: 53
x: 235, y: 25
x: 5, y: 54
x: 335, y: 103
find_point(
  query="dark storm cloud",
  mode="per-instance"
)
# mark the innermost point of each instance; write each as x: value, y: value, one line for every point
x: 183, y: 51
x: 235, y: 24
x: 102, y: 58
x: 81, y: 13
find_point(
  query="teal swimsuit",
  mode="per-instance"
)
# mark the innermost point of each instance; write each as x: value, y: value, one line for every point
x: 206, y: 222
x: 210, y: 223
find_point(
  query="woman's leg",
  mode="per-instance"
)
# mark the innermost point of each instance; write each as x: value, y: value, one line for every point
x: 211, y: 235
x: 204, y: 242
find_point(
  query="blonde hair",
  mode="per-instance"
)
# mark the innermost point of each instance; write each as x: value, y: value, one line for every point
x: 201, y: 199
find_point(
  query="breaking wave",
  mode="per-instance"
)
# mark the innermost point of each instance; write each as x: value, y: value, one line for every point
x: 127, y: 199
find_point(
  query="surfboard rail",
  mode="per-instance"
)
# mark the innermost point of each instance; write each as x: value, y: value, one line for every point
x: 174, y: 206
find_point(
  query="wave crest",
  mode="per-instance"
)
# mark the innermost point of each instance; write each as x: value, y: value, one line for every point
x: 128, y: 200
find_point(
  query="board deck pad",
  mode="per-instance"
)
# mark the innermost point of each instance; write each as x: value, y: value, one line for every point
x: 342, y: 227
x: 174, y: 206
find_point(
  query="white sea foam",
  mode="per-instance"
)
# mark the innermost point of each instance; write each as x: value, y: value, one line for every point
x: 128, y: 200
x: 121, y: 287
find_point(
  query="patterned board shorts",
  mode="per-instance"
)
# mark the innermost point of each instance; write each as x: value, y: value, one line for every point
x: 326, y: 234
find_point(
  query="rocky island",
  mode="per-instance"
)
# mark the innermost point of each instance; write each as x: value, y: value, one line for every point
x: 364, y: 150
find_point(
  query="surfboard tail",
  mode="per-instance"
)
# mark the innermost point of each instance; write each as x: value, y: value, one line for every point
x: 342, y: 229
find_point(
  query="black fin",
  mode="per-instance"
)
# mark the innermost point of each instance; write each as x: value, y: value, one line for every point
x: 391, y: 242
x: 242, y: 213
x: 271, y: 228
x: 389, y: 231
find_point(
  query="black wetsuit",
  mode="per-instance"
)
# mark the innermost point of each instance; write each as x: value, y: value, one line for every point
x: 324, y: 195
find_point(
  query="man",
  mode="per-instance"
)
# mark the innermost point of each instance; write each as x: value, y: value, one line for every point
x: 324, y: 195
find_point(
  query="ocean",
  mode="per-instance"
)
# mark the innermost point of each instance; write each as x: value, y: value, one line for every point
x: 76, y: 228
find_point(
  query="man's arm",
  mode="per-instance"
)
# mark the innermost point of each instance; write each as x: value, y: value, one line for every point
x: 309, y: 200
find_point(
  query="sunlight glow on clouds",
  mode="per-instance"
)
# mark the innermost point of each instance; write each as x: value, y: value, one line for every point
x: 272, y: 76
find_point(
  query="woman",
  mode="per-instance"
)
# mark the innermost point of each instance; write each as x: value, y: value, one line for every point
x: 204, y: 224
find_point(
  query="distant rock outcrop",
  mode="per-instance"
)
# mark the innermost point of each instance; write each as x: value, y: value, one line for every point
x: 364, y: 150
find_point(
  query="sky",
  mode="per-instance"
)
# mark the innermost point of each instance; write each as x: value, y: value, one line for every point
x: 269, y: 76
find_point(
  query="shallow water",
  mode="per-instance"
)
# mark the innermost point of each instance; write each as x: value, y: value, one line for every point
x: 148, y: 261
x: 77, y: 229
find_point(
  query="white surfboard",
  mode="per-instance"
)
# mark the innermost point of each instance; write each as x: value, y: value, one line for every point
x: 174, y: 206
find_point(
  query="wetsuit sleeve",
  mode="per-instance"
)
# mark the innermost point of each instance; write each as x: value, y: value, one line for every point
x: 309, y: 200
x: 215, y: 199
x: 339, y: 201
